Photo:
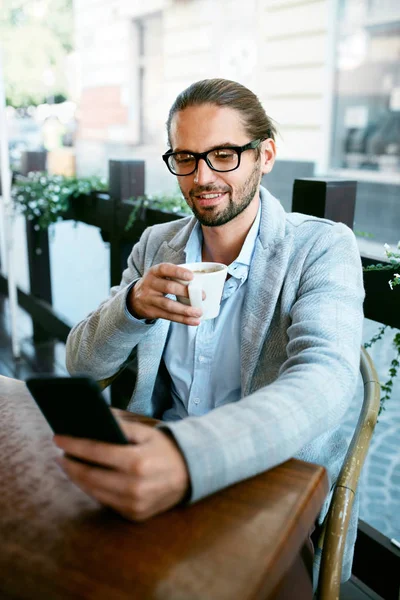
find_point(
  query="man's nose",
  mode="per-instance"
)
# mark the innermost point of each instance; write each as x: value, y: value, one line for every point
x: 203, y: 173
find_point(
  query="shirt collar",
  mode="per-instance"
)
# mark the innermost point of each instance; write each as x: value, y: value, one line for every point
x: 246, y: 253
x: 194, y: 244
x: 195, y: 241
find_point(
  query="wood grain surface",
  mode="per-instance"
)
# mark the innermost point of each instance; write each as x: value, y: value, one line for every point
x: 57, y: 543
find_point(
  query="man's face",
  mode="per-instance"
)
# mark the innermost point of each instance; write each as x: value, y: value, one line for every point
x: 215, y: 198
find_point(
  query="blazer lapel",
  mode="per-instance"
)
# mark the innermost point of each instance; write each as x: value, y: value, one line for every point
x: 173, y: 251
x: 170, y: 254
x: 265, y: 280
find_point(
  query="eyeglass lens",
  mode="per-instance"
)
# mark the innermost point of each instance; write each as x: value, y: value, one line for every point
x: 222, y: 159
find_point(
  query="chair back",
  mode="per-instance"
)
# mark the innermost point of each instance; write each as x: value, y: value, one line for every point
x: 333, y: 537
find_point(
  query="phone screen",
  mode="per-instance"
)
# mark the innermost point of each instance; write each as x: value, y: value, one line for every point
x: 75, y: 406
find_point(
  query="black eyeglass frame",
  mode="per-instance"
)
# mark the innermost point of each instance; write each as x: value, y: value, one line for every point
x: 204, y: 155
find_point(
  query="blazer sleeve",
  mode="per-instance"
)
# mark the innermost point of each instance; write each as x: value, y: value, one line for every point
x: 315, y: 385
x: 100, y: 344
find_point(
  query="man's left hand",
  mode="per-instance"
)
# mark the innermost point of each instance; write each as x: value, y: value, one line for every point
x: 145, y: 478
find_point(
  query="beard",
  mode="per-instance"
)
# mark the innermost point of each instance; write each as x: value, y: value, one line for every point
x: 209, y: 216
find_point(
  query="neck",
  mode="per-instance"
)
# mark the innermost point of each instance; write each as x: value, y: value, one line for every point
x: 223, y: 244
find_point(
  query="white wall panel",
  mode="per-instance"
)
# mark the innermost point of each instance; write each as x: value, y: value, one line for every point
x: 292, y: 20
x: 300, y: 81
x: 297, y: 143
x: 197, y: 66
x: 309, y: 49
x: 188, y: 40
x: 295, y: 111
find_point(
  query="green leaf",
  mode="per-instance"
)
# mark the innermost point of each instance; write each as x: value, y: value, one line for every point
x: 174, y: 203
x: 45, y: 198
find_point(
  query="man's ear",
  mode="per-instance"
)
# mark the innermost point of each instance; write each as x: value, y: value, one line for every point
x: 268, y: 154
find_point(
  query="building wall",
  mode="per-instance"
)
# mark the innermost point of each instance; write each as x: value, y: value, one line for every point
x: 102, y: 39
x: 278, y: 48
x: 294, y: 72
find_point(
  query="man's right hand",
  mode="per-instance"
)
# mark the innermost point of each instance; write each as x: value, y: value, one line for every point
x: 146, y: 299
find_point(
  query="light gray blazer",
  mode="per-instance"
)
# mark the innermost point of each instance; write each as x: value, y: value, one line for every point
x: 300, y: 351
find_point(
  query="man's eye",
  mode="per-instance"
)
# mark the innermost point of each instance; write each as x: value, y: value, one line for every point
x: 182, y: 159
x: 225, y: 154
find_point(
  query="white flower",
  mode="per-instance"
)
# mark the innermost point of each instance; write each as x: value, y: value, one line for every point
x: 391, y: 285
x: 396, y: 275
x: 387, y: 247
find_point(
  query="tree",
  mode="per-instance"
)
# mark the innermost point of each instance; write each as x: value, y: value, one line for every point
x: 36, y: 36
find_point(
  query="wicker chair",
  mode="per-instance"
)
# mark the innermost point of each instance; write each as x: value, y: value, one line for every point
x: 332, y: 539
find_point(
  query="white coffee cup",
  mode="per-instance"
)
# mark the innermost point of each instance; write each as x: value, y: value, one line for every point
x: 209, y: 277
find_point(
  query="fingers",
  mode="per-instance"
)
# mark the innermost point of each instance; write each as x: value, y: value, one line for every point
x: 94, y: 478
x: 136, y: 433
x: 130, y: 459
x: 160, y: 307
x: 125, y: 494
x: 147, y: 298
x: 175, y: 311
x: 135, y: 498
x: 163, y: 278
x: 134, y: 508
x: 167, y: 286
x: 121, y: 457
x: 171, y: 270
x: 142, y: 480
x: 133, y: 511
x: 166, y: 309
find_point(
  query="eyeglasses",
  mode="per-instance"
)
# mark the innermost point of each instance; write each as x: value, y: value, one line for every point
x: 219, y: 159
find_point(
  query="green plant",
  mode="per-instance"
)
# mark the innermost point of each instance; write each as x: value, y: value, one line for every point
x: 45, y: 198
x: 174, y: 203
x: 394, y: 263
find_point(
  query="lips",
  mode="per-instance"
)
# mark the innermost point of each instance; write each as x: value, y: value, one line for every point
x: 210, y: 198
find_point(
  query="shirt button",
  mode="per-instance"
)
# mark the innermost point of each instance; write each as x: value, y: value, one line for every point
x: 202, y: 358
x: 196, y: 400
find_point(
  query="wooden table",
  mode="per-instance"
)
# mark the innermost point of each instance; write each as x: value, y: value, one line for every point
x: 55, y: 542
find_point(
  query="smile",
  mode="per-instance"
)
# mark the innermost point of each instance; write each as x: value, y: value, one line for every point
x: 207, y: 196
x: 209, y: 199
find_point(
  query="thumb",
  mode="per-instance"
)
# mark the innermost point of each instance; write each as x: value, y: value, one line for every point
x: 137, y: 433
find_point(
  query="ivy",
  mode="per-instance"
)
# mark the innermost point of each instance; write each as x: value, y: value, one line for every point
x: 45, y: 198
x: 393, y: 372
x: 387, y: 387
x: 378, y: 336
x: 174, y: 203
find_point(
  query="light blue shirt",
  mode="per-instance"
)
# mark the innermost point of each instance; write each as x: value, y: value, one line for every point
x: 204, y: 361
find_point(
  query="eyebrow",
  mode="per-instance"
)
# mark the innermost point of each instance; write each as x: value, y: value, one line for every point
x: 222, y: 145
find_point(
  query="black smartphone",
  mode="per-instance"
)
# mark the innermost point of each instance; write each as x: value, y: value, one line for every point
x: 75, y: 406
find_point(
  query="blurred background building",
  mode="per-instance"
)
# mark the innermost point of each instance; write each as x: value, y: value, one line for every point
x: 327, y: 71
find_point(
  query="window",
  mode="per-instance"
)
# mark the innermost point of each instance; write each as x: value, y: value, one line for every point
x: 367, y: 87
x: 149, y: 48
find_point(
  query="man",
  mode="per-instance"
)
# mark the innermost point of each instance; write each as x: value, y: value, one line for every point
x: 272, y: 376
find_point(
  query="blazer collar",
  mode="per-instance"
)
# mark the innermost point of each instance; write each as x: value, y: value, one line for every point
x: 173, y: 251
x: 273, y: 219
x: 266, y: 276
